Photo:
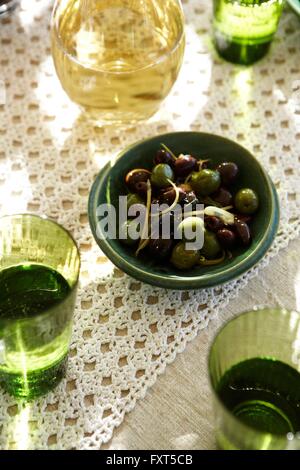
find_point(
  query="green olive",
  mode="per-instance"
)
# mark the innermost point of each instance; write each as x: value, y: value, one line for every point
x: 211, y: 247
x: 182, y: 258
x: 128, y: 232
x: 190, y: 228
x: 161, y: 174
x: 133, y: 199
x: 205, y: 182
x: 246, y: 201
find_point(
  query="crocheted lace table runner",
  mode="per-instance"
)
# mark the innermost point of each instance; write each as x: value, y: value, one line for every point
x: 125, y: 332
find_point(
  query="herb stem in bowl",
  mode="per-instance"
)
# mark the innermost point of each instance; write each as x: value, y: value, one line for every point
x: 168, y: 150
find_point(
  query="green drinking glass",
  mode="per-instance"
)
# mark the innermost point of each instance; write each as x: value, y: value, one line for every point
x: 244, y: 29
x: 39, y: 270
x: 254, y: 366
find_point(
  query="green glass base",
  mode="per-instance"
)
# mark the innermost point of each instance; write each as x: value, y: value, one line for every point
x: 260, y: 414
x: 263, y: 394
x: 238, y: 53
x: 36, y: 383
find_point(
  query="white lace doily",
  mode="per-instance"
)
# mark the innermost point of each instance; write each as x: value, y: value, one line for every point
x: 125, y: 332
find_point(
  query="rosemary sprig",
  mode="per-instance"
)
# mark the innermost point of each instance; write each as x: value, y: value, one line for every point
x: 200, y: 162
x: 170, y: 208
x: 212, y: 262
x: 168, y: 150
x: 188, y: 178
x: 145, y: 235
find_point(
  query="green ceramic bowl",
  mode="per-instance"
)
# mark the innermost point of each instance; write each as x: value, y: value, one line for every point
x: 110, y: 184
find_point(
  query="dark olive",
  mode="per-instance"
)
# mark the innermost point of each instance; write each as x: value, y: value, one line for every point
x: 243, y: 231
x: 190, y: 196
x: 128, y: 232
x: 141, y: 189
x: 244, y: 218
x: 186, y: 187
x: 155, y: 201
x: 213, y: 223
x: 179, y: 181
x: 133, y: 199
x: 160, y: 248
x: 211, y: 247
x: 226, y: 237
x: 229, y: 172
x: 168, y: 224
x: 168, y: 196
x: 205, y: 182
x: 165, y: 225
x: 182, y: 258
x: 222, y: 197
x: 136, y: 176
x: 161, y: 175
x: 184, y: 165
x: 163, y: 156
x: 246, y: 201
x: 190, y: 201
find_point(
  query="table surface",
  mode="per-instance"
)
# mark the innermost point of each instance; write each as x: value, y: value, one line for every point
x: 177, y: 412
x: 48, y: 162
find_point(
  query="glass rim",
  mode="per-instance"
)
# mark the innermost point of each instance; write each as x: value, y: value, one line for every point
x: 7, y: 8
x: 54, y: 29
x: 256, y: 310
x: 72, y: 288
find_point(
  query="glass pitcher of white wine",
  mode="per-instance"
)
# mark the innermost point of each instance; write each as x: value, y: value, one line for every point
x: 117, y: 59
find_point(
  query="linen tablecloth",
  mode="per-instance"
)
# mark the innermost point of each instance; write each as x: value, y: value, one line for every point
x: 125, y: 333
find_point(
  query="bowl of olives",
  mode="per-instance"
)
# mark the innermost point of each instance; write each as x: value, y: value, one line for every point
x: 226, y: 197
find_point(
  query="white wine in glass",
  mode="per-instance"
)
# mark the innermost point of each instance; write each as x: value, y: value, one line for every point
x: 118, y: 59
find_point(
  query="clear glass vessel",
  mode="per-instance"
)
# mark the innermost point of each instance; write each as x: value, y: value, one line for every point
x: 39, y: 269
x: 117, y: 59
x: 254, y: 368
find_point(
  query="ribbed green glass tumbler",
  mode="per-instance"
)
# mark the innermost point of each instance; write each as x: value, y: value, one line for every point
x: 39, y: 270
x: 254, y: 366
x: 244, y: 29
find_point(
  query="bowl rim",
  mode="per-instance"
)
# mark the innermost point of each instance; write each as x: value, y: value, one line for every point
x: 184, y: 282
